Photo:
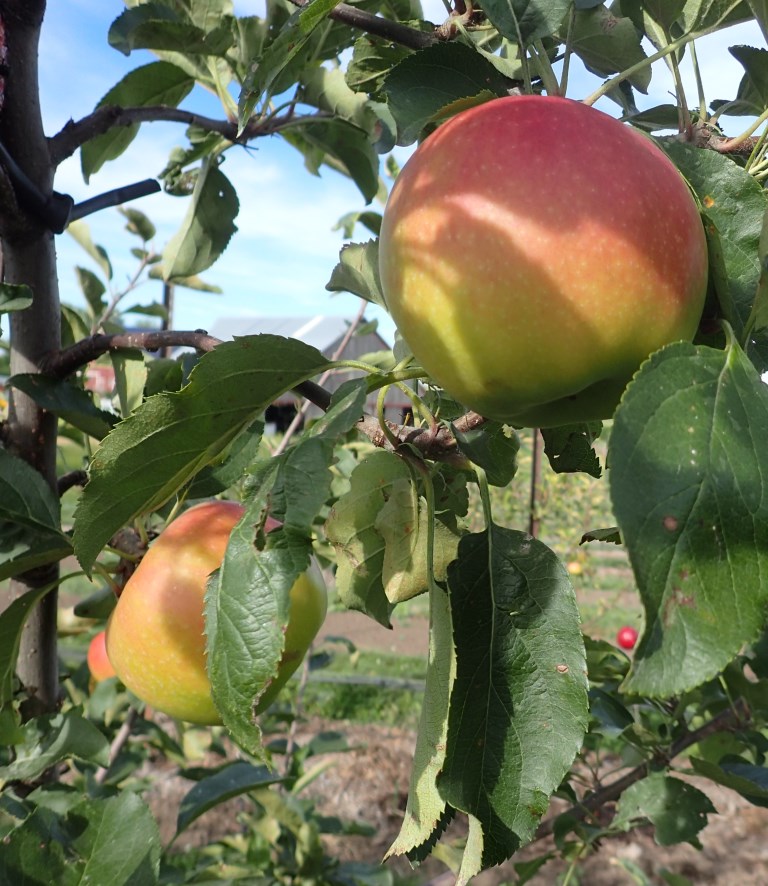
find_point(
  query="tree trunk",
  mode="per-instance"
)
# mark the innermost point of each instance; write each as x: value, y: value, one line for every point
x: 29, y: 258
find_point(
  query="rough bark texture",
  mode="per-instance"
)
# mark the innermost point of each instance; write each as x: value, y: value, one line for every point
x: 30, y: 258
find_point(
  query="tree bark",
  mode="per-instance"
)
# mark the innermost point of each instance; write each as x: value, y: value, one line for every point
x: 30, y: 258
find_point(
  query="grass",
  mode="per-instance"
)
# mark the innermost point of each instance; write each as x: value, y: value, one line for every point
x: 359, y: 696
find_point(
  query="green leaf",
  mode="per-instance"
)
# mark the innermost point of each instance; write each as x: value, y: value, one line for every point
x: 30, y: 535
x: 327, y: 90
x: 138, y: 223
x: 131, y: 21
x: 519, y: 703
x: 341, y: 145
x: 345, y: 410
x: 677, y: 810
x: 426, y: 814
x: 113, y: 841
x: 157, y: 83
x: 688, y: 490
x: 229, y: 781
x: 494, y: 448
x: 97, y: 605
x: 527, y: 869
x: 739, y: 775
x: 653, y: 119
x: 51, y: 738
x: 303, y: 483
x: 241, y: 453
x: 156, y: 26
x: 123, y: 846
x: 70, y: 402
x: 93, y: 289
x: 25, y: 497
x: 757, y: 322
x: 608, y: 44
x: 12, y: 620
x: 14, y: 297
x: 403, y: 523
x: 130, y: 378
x: 699, y: 15
x: 665, y: 12
x: 367, y: 218
x: 734, y: 205
x: 372, y: 59
x: 760, y: 11
x: 207, y: 228
x: 246, y: 611
x: 752, y: 96
x: 351, y: 529
x: 611, y: 535
x: 358, y: 272
x: 524, y: 21
x: 150, y: 455
x: 425, y: 83
x: 569, y: 448
x: 22, y: 550
x: 81, y: 233
x: 276, y: 57
x: 611, y: 717
x: 163, y: 374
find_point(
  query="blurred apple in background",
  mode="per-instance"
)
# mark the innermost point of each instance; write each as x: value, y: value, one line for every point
x: 98, y: 661
x: 627, y: 637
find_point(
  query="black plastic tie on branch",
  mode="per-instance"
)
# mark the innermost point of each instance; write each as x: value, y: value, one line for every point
x: 115, y: 197
x: 57, y: 210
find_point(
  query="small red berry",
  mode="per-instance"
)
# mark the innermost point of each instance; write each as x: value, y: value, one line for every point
x: 627, y: 637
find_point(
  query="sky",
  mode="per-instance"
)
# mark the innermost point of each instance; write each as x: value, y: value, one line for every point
x: 286, y: 247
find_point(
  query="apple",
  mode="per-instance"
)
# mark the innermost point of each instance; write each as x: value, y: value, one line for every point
x: 627, y: 637
x: 156, y: 633
x: 533, y: 252
x: 98, y: 661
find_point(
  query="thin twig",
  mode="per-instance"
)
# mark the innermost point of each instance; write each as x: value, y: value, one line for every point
x: 121, y: 737
x: 69, y: 480
x: 60, y: 364
x: 76, y: 133
x: 436, y: 444
x: 731, y: 718
x: 395, y: 32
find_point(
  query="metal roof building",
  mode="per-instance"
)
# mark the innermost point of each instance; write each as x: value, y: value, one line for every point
x: 324, y: 333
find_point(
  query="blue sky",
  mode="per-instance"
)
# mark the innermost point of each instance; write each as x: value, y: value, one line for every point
x: 285, y: 248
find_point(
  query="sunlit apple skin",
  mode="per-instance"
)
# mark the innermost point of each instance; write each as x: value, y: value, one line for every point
x: 155, y: 636
x: 533, y: 252
x: 98, y: 662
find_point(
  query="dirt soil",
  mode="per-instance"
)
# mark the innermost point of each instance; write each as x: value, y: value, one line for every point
x: 370, y: 784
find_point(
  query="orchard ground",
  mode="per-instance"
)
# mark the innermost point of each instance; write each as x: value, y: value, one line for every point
x: 370, y: 783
